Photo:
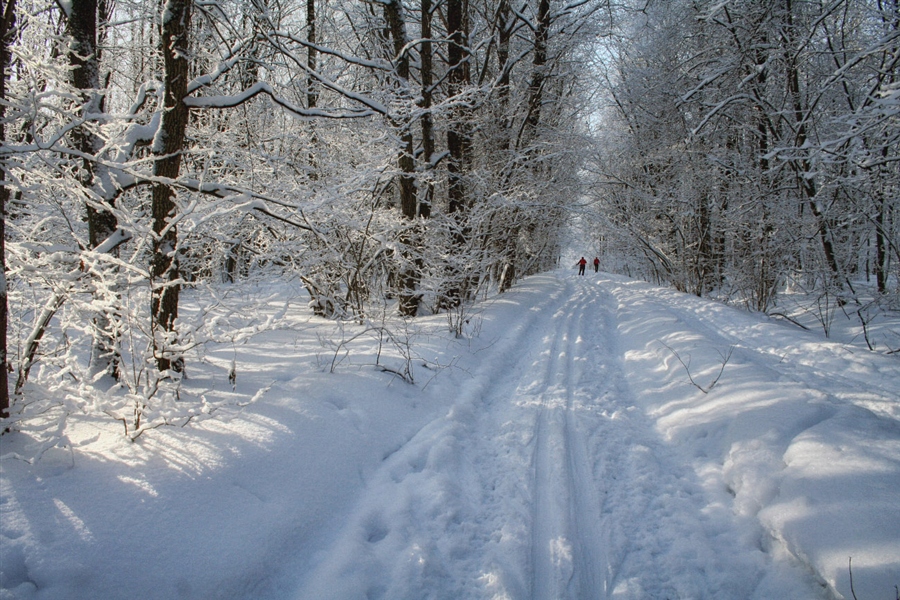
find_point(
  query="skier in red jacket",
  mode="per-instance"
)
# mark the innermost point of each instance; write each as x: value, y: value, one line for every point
x: 581, y: 264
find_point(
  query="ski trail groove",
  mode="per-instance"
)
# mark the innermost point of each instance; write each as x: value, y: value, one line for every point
x: 544, y: 481
x: 565, y: 550
x: 551, y: 554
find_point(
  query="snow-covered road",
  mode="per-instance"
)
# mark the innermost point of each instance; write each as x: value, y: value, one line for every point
x: 552, y: 478
x: 563, y: 453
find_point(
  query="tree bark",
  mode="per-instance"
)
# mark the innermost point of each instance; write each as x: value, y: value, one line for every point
x: 164, y: 271
x: 409, y: 271
x: 84, y: 75
x: 881, y: 222
x: 459, y: 143
x: 535, y: 89
x: 508, y: 272
x: 891, y: 20
x: 458, y: 138
x: 312, y: 93
x: 504, y: 37
x: 7, y: 25
x: 427, y: 74
x: 312, y: 89
x: 394, y: 16
x: 802, y: 166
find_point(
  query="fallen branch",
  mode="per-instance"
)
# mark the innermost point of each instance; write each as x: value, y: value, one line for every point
x: 725, y: 358
x: 791, y: 319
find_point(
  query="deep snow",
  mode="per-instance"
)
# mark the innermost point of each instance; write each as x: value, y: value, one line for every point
x: 558, y: 450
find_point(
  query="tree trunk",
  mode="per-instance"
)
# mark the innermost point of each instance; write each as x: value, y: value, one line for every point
x: 458, y: 138
x: 533, y: 115
x: 705, y: 258
x: 409, y: 273
x: 459, y: 143
x: 7, y: 25
x: 504, y: 37
x: 427, y: 60
x: 312, y: 90
x: 881, y: 246
x: 508, y: 271
x: 84, y: 75
x: 535, y: 89
x: 802, y: 166
x: 164, y: 272
x: 891, y: 21
x: 394, y: 16
x: 312, y: 94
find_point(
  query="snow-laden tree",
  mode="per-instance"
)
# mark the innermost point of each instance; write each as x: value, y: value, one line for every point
x: 390, y: 155
x: 743, y: 160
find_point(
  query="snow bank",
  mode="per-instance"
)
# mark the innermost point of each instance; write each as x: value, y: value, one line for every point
x: 802, y: 432
x: 560, y: 450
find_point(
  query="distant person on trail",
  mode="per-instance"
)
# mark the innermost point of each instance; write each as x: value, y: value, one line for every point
x: 581, y: 264
x: 596, y: 264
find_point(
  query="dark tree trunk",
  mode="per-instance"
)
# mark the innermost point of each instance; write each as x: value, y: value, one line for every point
x: 394, y: 16
x: 539, y: 63
x: 508, y: 272
x: 164, y: 272
x: 7, y: 24
x: 409, y: 273
x: 802, y: 166
x: 705, y: 259
x: 312, y: 94
x: 535, y: 100
x: 891, y: 20
x: 84, y: 74
x: 504, y: 37
x: 881, y: 246
x: 312, y: 90
x: 427, y: 61
x: 459, y: 144
x: 458, y: 138
x: 84, y: 60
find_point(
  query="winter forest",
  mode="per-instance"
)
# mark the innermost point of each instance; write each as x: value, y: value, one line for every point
x: 290, y: 305
x: 400, y: 158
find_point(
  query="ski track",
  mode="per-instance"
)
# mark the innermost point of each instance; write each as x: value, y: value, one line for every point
x: 544, y: 482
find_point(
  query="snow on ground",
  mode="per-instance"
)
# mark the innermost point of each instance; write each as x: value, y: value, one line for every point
x: 559, y: 450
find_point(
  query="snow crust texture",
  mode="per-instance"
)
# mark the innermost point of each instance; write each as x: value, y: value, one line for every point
x: 561, y: 453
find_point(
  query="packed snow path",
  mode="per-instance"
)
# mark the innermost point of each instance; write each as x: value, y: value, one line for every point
x: 547, y: 480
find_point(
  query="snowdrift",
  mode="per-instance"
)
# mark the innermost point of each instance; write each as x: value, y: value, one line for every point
x: 589, y: 437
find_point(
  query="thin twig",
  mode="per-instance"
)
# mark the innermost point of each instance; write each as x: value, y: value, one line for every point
x: 791, y: 319
x: 706, y: 390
